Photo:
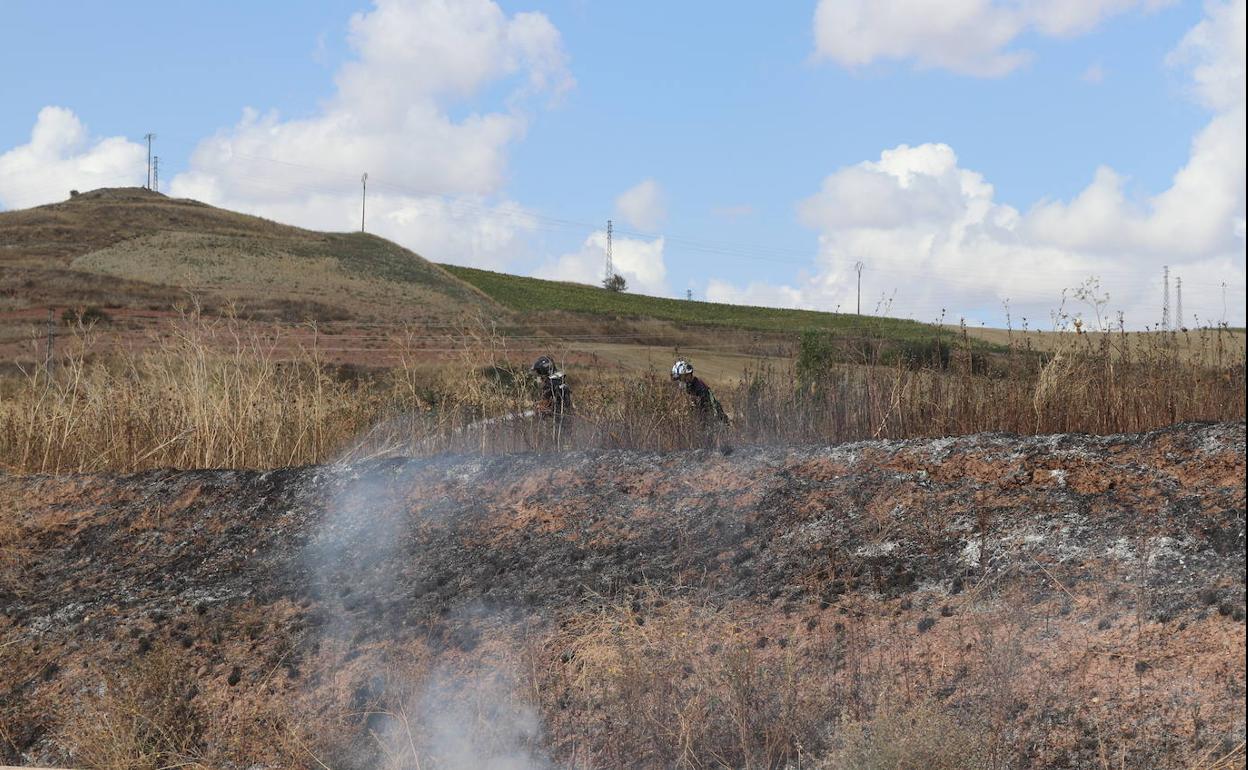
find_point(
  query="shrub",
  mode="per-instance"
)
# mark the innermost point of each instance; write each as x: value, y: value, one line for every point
x: 921, y: 737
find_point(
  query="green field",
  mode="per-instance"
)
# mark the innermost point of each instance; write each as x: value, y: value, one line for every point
x: 527, y: 295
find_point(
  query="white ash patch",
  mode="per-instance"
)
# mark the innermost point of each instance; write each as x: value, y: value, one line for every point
x: 1063, y: 546
x: 1027, y: 538
x: 972, y: 553
x: 1167, y: 550
x: 1213, y: 442
x: 209, y: 596
x: 1059, y: 476
x: 875, y: 550
x: 61, y: 619
x: 1121, y: 550
x: 939, y: 448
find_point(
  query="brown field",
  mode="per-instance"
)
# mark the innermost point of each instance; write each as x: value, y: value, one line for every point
x: 222, y: 393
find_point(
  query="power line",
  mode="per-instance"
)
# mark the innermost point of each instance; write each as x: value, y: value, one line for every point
x: 149, y: 137
x: 1165, y: 302
x: 1178, y: 302
x: 968, y: 278
x: 749, y: 252
x: 858, y: 266
x: 609, y: 272
x: 744, y: 251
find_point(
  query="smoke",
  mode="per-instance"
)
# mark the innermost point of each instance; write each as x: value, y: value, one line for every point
x: 454, y: 712
x: 464, y: 720
x: 352, y: 557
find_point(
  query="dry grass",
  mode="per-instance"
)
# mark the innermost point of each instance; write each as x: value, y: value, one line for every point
x: 211, y: 393
x: 141, y: 718
x: 658, y: 680
x: 665, y: 683
x: 184, y: 404
x: 924, y: 736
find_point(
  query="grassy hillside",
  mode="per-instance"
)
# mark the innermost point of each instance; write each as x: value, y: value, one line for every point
x: 155, y: 249
x: 527, y: 295
x: 344, y: 274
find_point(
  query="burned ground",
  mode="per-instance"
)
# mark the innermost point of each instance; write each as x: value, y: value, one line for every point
x: 1072, y: 599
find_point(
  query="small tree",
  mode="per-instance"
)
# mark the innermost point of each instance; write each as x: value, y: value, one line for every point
x: 615, y: 283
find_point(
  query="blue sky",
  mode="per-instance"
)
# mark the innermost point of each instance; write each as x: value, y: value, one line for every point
x: 737, y: 116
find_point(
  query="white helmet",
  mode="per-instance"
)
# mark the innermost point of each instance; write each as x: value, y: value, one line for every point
x: 681, y: 368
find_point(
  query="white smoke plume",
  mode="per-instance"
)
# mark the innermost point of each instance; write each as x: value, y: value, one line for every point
x: 453, y: 716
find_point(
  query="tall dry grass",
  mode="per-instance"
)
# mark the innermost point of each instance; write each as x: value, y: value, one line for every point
x: 207, y: 396
x: 1105, y: 384
x: 212, y: 394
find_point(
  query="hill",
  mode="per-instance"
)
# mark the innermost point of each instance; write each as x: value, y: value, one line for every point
x: 151, y: 250
x: 528, y: 295
x: 980, y: 601
x: 140, y: 255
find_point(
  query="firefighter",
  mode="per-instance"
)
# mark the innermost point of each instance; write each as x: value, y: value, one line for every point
x: 555, y: 397
x: 699, y: 393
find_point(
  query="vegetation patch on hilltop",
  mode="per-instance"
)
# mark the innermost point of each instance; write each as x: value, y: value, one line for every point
x: 535, y: 295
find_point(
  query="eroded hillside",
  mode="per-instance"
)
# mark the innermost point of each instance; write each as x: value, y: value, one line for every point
x: 1054, y: 601
x: 130, y: 248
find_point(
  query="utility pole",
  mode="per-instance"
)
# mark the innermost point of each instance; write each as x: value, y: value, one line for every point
x: 363, y: 198
x: 1165, y: 301
x: 688, y: 294
x: 48, y: 352
x: 858, y: 266
x: 156, y: 173
x: 609, y: 271
x: 1178, y: 302
x: 149, y: 137
x: 1224, y: 303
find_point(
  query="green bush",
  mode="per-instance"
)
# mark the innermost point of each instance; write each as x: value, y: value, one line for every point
x: 817, y: 351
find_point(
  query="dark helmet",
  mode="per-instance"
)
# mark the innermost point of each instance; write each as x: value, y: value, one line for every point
x: 544, y: 366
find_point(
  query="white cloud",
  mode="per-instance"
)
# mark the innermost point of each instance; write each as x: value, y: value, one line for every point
x: 643, y: 206
x: 62, y: 156
x: 640, y: 261
x: 967, y: 36
x: 1214, y: 49
x: 432, y: 176
x: 934, y: 232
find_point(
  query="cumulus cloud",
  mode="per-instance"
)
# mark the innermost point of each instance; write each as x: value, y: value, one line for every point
x: 643, y: 206
x: 639, y: 260
x: 435, y: 174
x: 966, y: 36
x: 1214, y: 49
x: 61, y: 156
x: 933, y: 231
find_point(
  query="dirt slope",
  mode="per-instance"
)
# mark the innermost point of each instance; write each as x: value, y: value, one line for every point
x: 1069, y: 597
x: 151, y: 249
